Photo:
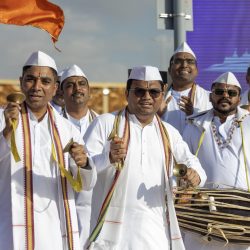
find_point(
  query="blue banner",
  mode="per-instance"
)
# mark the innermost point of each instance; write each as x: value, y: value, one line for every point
x: 221, y: 39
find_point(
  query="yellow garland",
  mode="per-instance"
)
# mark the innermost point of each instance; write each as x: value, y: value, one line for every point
x: 76, y: 184
x: 245, y: 158
x: 13, y: 141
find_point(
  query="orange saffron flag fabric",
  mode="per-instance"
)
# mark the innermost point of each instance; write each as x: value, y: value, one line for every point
x: 38, y: 13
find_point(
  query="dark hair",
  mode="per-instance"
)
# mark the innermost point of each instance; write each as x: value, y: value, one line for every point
x: 248, y: 71
x: 53, y: 71
x: 233, y: 85
x: 129, y: 83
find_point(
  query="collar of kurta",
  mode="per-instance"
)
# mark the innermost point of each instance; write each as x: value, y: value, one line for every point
x: 203, y: 120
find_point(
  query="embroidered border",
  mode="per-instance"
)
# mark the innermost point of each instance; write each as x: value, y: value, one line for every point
x: 28, y: 182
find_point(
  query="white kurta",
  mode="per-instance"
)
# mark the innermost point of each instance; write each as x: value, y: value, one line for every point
x: 58, y: 108
x: 175, y: 116
x: 144, y: 224
x: 83, y: 198
x: 223, y: 166
x: 49, y: 222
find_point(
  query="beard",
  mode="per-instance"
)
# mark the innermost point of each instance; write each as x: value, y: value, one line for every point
x: 232, y: 109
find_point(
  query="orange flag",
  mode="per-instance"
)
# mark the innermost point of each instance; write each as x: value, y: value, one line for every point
x: 38, y: 13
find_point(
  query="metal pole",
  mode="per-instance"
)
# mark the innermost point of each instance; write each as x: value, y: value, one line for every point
x: 179, y: 22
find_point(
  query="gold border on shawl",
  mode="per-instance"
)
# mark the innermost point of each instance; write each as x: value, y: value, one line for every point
x: 28, y: 183
x: 60, y: 156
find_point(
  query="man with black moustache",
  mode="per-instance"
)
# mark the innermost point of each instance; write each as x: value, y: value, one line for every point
x: 76, y: 94
x: 216, y: 137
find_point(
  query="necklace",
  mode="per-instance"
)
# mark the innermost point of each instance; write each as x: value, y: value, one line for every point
x: 219, y: 140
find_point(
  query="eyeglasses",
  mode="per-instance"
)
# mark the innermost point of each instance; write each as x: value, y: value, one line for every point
x: 230, y: 92
x: 179, y: 61
x: 140, y: 92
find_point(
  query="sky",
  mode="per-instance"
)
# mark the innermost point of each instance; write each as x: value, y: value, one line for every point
x: 104, y: 38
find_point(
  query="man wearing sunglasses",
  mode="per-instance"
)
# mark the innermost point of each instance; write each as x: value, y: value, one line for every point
x: 183, y: 97
x: 135, y: 152
x: 219, y: 138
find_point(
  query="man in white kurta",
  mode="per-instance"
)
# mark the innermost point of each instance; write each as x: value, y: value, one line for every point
x: 183, y: 97
x: 76, y: 93
x: 141, y: 214
x: 52, y: 205
x: 221, y: 152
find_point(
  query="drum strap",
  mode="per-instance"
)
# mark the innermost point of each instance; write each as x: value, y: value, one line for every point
x: 245, y: 157
x: 200, y: 142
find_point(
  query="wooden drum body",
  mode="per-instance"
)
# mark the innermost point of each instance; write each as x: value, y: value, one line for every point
x: 219, y: 214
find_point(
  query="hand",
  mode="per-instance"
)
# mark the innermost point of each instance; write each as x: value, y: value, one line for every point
x: 78, y: 154
x: 11, y: 113
x: 164, y: 106
x: 118, y: 150
x: 186, y: 105
x: 192, y: 177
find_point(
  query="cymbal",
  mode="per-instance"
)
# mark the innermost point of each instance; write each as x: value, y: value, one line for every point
x: 180, y: 170
x: 17, y: 97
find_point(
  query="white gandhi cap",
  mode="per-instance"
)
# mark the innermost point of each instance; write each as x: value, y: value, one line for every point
x: 73, y: 70
x: 145, y: 73
x: 39, y: 58
x: 228, y: 78
x: 184, y: 47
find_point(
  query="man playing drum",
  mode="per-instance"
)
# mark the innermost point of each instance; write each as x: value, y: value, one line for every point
x: 134, y: 152
x: 220, y: 139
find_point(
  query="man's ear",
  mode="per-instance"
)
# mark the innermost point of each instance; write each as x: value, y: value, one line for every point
x: 210, y: 97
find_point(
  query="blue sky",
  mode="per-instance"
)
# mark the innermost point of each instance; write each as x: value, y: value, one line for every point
x: 104, y: 38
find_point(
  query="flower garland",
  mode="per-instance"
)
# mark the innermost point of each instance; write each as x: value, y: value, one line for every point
x: 219, y: 140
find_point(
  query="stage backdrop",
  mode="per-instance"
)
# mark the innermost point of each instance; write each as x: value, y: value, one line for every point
x: 221, y: 39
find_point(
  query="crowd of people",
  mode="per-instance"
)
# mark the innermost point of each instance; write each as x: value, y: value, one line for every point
x: 73, y: 179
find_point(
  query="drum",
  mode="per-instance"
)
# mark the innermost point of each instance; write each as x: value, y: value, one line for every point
x: 219, y: 214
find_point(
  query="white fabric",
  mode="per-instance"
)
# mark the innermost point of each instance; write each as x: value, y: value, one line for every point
x: 228, y: 78
x: 175, y: 116
x: 184, y: 47
x: 141, y: 203
x: 73, y: 70
x: 224, y: 166
x: 49, y: 219
x: 83, y: 198
x: 39, y: 58
x: 83, y: 123
x: 244, y: 98
x: 58, y: 108
x: 145, y: 73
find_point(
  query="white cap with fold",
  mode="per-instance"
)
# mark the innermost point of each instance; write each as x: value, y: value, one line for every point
x: 73, y: 70
x: 228, y: 78
x: 39, y: 58
x: 145, y: 73
x: 184, y: 47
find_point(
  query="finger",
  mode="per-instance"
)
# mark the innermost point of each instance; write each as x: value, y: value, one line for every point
x: 168, y: 99
x: 117, y: 140
x: 185, y: 98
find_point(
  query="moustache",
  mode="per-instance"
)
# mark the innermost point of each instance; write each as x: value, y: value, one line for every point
x: 78, y: 94
x: 225, y: 100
